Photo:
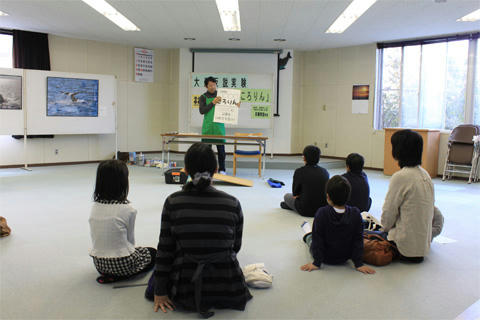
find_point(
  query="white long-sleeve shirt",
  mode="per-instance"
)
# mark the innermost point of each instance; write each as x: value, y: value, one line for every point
x: 408, y: 211
x: 112, y: 230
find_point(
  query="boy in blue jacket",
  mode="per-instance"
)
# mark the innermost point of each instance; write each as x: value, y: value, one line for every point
x: 337, y: 234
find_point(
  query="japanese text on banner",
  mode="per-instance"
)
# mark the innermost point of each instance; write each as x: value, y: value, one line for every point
x: 256, y: 95
x: 226, y: 111
x: 261, y: 111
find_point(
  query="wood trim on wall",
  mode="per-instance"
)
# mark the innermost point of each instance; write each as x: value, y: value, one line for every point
x: 98, y: 161
x: 150, y: 152
x: 49, y: 164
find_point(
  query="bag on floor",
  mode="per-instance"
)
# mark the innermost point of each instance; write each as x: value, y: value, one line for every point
x: 377, y: 251
x: 370, y: 223
x: 4, y: 228
x: 275, y: 183
x: 256, y: 276
x: 176, y: 176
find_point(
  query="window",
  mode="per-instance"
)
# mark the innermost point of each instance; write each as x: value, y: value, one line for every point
x: 391, y: 73
x: 424, y: 84
x: 6, y: 50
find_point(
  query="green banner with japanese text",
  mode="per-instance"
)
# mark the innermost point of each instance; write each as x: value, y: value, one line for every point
x: 261, y: 111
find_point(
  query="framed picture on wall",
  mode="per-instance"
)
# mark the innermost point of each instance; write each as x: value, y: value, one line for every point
x: 10, y: 92
x: 72, y: 97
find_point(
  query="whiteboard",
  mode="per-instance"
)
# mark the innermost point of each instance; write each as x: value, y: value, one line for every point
x: 12, y: 121
x: 255, y: 81
x: 36, y: 97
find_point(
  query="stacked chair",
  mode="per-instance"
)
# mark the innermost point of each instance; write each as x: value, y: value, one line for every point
x: 463, y: 152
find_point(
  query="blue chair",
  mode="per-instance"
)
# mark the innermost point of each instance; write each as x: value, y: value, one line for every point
x: 247, y: 154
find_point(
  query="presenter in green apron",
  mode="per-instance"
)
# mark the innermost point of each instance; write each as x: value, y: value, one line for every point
x: 207, y: 103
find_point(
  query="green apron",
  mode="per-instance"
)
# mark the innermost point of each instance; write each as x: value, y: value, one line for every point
x: 212, y: 128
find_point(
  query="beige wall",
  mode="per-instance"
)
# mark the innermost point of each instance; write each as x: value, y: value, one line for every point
x: 325, y: 116
x: 297, y: 103
x: 145, y: 110
x: 321, y: 104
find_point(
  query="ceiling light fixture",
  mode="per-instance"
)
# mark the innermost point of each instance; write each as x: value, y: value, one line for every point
x: 3, y: 14
x: 234, y: 39
x: 350, y: 15
x: 471, y: 17
x: 112, y: 14
x: 229, y: 14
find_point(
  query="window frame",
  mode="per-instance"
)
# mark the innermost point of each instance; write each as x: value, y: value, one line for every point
x: 472, y: 60
x: 10, y: 33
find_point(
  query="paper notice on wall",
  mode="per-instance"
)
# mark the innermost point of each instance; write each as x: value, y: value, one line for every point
x: 143, y: 65
x: 359, y: 106
x: 226, y: 111
x: 261, y: 111
x: 360, y: 97
x: 196, y: 100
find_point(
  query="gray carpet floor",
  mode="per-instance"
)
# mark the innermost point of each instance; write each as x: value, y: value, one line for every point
x: 46, y: 273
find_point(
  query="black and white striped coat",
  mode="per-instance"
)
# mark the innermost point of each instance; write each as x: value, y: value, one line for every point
x: 201, y: 228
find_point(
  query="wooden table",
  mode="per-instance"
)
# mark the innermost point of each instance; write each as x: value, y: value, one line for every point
x: 186, y: 138
x: 431, y: 139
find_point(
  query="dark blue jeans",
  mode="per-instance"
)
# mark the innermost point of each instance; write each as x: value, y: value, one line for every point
x: 221, y: 156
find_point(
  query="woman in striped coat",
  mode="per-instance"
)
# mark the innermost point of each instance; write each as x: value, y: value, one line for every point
x: 201, y: 233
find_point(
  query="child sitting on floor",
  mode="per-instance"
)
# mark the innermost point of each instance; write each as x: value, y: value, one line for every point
x: 360, y: 194
x: 337, y: 234
x: 308, y: 189
x: 112, y: 222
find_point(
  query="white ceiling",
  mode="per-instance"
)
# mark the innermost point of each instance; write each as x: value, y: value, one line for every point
x: 164, y: 23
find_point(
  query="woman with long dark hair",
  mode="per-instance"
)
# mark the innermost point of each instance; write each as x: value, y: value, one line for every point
x: 201, y: 233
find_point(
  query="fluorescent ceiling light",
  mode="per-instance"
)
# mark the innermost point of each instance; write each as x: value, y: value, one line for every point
x: 229, y: 14
x: 350, y: 15
x: 472, y: 16
x: 112, y: 14
x: 2, y: 14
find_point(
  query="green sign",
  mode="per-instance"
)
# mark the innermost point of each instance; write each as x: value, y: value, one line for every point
x: 261, y: 111
x: 256, y: 95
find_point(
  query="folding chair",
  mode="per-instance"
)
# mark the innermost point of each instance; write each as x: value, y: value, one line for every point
x: 463, y: 154
x: 247, y: 154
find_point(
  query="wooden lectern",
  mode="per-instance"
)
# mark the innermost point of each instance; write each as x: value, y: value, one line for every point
x: 431, y: 139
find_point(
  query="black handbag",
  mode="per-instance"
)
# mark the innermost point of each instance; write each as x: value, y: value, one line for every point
x: 175, y: 176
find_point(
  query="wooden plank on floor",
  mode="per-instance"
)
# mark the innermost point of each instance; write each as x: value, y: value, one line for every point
x: 233, y: 180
